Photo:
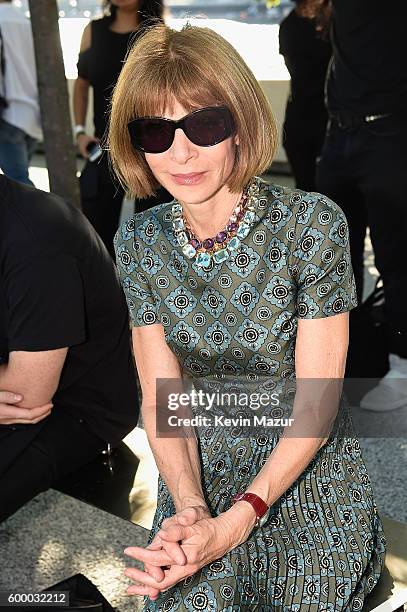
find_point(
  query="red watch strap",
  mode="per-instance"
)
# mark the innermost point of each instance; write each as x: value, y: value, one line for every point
x: 260, y: 506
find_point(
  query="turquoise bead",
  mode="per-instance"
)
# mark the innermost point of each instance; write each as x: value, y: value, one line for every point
x: 253, y: 190
x: 203, y: 260
x: 178, y: 224
x: 220, y: 255
x: 189, y: 250
x: 176, y: 210
x: 233, y: 243
x: 248, y: 217
x: 243, y: 230
x: 182, y: 238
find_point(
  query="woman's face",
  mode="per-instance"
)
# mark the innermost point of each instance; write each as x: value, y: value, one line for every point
x: 193, y: 174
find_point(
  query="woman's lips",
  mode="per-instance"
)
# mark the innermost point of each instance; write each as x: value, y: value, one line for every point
x: 188, y: 179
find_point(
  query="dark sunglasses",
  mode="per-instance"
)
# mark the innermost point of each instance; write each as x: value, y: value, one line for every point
x: 204, y: 127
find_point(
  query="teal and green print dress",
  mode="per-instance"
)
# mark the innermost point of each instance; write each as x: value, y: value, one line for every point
x: 322, y: 548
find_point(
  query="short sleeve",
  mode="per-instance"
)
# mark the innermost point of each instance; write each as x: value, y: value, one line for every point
x: 320, y: 259
x: 45, y: 303
x: 137, y: 267
x: 83, y: 64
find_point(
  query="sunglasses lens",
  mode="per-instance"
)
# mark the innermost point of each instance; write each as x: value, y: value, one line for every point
x: 209, y: 126
x: 204, y: 128
x: 151, y: 135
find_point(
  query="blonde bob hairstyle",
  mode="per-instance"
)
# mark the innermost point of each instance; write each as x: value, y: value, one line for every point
x: 198, y: 68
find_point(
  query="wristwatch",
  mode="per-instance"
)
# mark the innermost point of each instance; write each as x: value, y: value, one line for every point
x: 79, y: 129
x: 260, y: 507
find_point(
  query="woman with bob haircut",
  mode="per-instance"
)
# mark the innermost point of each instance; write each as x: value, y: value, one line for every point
x: 236, y: 282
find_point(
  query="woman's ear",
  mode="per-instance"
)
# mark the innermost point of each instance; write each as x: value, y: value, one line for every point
x: 237, y: 141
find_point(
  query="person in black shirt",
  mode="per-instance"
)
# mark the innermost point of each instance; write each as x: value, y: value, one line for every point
x: 104, y: 46
x: 364, y: 160
x: 64, y: 345
x: 307, y: 51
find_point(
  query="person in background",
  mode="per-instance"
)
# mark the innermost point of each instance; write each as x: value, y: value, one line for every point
x: 364, y: 159
x: 20, y: 123
x: 64, y: 345
x: 104, y: 45
x: 306, y: 49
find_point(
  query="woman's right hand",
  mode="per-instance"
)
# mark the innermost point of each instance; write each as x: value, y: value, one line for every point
x: 187, y: 516
x: 11, y: 414
x: 83, y: 141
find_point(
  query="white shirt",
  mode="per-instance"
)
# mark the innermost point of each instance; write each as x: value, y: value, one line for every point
x: 21, y: 76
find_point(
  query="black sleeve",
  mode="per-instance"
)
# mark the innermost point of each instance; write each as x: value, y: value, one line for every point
x: 45, y: 303
x: 281, y: 40
x: 83, y: 65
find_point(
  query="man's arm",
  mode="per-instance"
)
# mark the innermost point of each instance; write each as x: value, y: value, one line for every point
x: 45, y: 316
x: 34, y: 375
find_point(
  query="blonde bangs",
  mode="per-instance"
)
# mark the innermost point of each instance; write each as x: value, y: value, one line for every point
x: 173, y: 82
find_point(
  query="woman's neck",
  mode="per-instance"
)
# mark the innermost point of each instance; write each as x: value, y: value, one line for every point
x: 209, y: 218
x: 125, y: 21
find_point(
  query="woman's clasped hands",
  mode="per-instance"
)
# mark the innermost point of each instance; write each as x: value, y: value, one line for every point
x: 185, y: 543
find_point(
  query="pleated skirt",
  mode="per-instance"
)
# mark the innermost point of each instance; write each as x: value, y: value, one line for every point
x: 322, y: 548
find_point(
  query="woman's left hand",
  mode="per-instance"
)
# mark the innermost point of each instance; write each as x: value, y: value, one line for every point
x: 203, y: 542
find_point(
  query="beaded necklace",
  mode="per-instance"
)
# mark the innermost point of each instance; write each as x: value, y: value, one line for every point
x: 226, y: 242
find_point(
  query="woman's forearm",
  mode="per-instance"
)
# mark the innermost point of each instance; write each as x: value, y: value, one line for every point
x: 285, y: 464
x: 315, y: 409
x: 80, y: 101
x: 177, y: 461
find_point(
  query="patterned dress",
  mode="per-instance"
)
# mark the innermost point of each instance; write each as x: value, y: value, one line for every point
x: 322, y: 548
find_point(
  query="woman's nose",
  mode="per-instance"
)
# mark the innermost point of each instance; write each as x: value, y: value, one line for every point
x: 182, y: 149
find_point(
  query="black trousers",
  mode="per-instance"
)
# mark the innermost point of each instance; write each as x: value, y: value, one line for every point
x: 302, y: 140
x: 102, y: 198
x: 34, y: 457
x: 364, y: 170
